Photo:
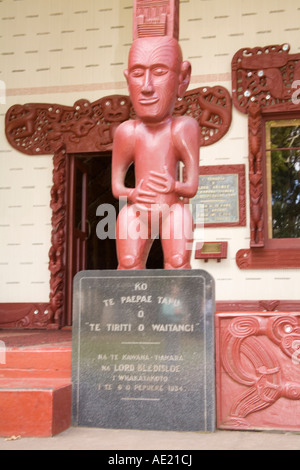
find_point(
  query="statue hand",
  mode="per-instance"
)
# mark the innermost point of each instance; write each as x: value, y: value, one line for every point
x: 140, y: 196
x: 161, y: 182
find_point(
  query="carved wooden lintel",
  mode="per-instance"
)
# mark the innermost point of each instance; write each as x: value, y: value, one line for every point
x: 42, y: 129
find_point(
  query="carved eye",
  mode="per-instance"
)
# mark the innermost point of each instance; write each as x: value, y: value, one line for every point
x: 138, y: 72
x: 158, y: 71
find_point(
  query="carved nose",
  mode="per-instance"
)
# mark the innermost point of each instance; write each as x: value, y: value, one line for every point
x: 147, y: 86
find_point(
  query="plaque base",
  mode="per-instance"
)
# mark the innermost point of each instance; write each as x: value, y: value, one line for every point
x: 143, y: 350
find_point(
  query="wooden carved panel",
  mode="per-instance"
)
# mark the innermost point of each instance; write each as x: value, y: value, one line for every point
x: 258, y: 370
x: 263, y: 83
x: 39, y: 129
x: 264, y: 75
x: 26, y: 316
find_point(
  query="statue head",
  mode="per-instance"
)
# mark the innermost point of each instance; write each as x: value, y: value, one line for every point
x: 156, y: 77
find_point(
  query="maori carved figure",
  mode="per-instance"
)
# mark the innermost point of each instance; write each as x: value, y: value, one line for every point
x: 36, y: 129
x: 264, y: 75
x: 116, y: 109
x: 249, y: 361
x: 156, y: 143
x: 45, y: 129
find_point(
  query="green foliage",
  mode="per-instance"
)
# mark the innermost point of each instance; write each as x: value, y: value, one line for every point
x: 285, y: 181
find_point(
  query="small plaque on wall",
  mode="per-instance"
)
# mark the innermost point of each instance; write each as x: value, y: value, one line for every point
x: 221, y: 193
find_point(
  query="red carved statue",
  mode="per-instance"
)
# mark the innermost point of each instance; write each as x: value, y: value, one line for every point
x: 156, y: 142
x: 59, y: 130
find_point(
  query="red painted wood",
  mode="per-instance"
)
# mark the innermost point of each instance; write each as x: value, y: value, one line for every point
x: 280, y: 258
x: 26, y: 316
x: 257, y: 370
x: 262, y: 87
x: 77, y: 235
x: 35, y: 383
x: 34, y: 408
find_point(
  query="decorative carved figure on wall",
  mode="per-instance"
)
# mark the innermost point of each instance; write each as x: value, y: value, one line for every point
x: 264, y: 75
x: 261, y: 354
x: 41, y: 129
x: 156, y: 143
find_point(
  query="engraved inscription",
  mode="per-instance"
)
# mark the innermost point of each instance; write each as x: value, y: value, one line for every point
x: 140, y: 345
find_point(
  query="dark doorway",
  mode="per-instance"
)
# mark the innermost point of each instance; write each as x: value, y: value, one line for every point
x: 101, y: 254
x: 90, y: 187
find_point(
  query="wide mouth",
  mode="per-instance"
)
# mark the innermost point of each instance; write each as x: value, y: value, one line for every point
x: 148, y: 101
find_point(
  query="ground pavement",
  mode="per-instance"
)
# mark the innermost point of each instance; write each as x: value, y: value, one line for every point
x: 113, y: 440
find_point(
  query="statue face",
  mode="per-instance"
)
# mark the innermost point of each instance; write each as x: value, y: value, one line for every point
x: 153, y: 77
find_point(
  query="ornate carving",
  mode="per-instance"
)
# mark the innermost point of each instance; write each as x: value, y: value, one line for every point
x: 41, y: 129
x: 156, y: 18
x: 255, y: 176
x: 262, y: 83
x: 254, y: 352
x: 211, y: 107
x: 256, y: 306
x: 264, y: 75
x: 58, y: 237
x: 258, y: 258
x: 25, y: 316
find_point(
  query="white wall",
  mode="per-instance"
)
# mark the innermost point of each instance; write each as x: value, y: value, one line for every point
x: 59, y: 51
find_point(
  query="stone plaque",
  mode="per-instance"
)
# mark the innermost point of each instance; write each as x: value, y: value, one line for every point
x: 143, y: 350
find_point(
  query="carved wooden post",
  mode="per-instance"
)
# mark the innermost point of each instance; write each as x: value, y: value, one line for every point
x: 58, y: 238
x: 255, y: 175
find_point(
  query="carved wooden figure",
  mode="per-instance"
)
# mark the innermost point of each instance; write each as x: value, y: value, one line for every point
x: 156, y: 143
x: 54, y: 129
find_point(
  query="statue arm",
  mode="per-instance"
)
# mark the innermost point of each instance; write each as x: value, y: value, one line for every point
x: 122, y: 158
x: 186, y: 137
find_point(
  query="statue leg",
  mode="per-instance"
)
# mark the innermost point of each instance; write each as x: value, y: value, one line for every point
x: 133, y: 242
x: 177, y: 237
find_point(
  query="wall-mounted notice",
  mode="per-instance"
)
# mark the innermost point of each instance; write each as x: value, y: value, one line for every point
x: 222, y: 193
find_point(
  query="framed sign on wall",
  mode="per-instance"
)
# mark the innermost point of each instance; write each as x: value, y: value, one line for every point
x: 221, y: 195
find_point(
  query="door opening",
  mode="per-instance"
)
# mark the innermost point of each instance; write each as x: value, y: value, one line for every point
x: 101, y: 254
x: 90, y: 177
